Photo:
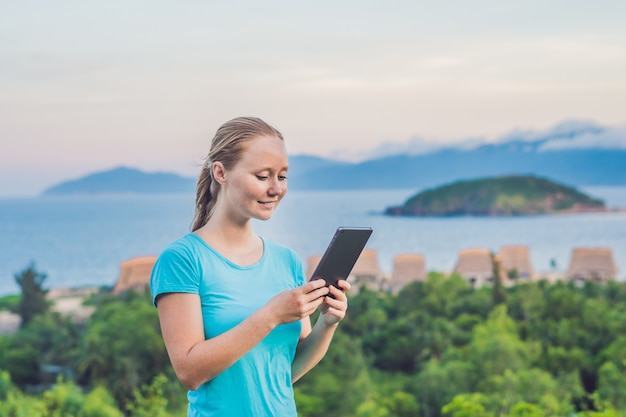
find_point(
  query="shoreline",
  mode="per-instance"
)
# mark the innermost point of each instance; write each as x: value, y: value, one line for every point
x: 396, y: 211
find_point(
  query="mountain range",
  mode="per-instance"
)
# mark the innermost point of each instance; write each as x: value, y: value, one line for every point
x: 567, y: 156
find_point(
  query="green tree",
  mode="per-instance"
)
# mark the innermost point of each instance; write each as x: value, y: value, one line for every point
x: 440, y: 382
x: 467, y: 405
x: 532, y: 386
x: 498, y: 290
x: 496, y: 346
x: 63, y: 399
x: 611, y: 387
x: 122, y: 348
x: 99, y: 403
x: 524, y: 409
x: 149, y: 401
x: 399, y: 404
x: 340, y: 380
x: 33, y: 301
x: 49, y: 339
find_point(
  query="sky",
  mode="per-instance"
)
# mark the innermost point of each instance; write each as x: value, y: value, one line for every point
x: 89, y: 86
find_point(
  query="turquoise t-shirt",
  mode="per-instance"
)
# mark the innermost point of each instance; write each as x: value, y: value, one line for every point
x: 259, y: 383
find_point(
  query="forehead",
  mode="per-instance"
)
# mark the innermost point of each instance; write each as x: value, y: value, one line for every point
x: 265, y: 152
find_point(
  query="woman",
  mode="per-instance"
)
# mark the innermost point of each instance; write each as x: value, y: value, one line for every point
x: 234, y: 308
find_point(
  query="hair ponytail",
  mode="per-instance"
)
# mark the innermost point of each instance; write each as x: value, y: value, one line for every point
x: 206, y: 196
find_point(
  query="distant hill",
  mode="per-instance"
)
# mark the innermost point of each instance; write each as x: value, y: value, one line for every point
x: 580, y: 167
x: 124, y: 180
x: 578, y: 155
x: 501, y: 196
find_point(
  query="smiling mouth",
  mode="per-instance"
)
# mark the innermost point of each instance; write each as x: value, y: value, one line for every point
x: 268, y: 203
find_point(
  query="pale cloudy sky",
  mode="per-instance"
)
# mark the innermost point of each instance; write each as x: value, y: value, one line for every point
x: 87, y: 86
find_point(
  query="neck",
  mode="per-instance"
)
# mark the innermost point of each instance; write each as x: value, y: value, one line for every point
x: 227, y: 229
x: 235, y: 241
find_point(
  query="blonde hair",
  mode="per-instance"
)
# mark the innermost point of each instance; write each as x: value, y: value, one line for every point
x: 226, y: 147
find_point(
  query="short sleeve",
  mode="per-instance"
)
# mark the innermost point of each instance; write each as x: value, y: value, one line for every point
x: 174, y: 271
x: 298, y: 269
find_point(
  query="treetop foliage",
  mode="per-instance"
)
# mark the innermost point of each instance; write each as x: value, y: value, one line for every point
x: 437, y: 348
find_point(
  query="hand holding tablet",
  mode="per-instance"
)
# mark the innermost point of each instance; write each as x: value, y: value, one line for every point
x: 341, y: 254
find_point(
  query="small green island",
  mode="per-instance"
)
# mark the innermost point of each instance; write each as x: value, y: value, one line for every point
x: 513, y: 195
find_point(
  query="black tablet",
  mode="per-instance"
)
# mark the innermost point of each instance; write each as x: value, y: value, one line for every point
x: 341, y: 254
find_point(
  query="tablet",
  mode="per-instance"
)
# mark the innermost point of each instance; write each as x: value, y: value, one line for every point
x: 341, y: 254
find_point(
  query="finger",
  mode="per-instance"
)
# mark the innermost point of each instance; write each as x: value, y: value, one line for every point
x: 337, y: 293
x: 336, y: 303
x: 315, y: 289
x: 344, y: 285
x: 335, y: 306
x: 314, y: 284
x: 313, y: 305
x: 318, y: 293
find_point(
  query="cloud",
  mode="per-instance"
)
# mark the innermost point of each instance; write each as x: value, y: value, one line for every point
x: 605, y: 138
x: 415, y: 146
x: 569, y: 134
x: 565, y: 129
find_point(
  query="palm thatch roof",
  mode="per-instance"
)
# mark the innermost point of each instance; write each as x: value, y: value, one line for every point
x: 516, y: 258
x: 134, y: 274
x: 475, y: 265
x: 407, y: 267
x: 592, y: 263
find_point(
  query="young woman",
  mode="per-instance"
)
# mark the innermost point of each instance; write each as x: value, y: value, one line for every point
x: 234, y: 308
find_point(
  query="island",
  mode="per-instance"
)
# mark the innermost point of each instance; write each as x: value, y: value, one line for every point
x: 123, y: 180
x: 512, y: 195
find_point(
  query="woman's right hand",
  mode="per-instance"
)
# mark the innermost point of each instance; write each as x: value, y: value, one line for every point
x: 292, y: 305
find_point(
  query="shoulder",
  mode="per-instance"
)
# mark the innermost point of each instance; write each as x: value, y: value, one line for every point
x: 182, y: 253
x: 187, y: 245
x: 279, y: 250
x: 177, y: 268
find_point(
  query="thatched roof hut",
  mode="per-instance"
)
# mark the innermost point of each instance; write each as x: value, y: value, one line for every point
x: 595, y: 264
x: 407, y: 267
x: 312, y: 262
x: 475, y: 265
x: 516, y: 258
x: 134, y: 274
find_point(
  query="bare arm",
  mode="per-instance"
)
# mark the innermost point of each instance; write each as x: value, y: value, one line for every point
x: 314, y: 342
x: 196, y: 360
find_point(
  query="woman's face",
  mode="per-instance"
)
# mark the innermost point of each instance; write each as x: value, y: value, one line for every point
x: 258, y: 181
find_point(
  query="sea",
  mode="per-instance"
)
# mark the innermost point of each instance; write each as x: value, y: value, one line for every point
x: 81, y: 241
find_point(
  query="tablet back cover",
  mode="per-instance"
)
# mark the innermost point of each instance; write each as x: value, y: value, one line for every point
x: 342, y: 253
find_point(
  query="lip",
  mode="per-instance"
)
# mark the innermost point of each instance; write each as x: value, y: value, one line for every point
x: 268, y: 203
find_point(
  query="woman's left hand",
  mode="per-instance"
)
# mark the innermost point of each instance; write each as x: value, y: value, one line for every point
x: 334, y: 309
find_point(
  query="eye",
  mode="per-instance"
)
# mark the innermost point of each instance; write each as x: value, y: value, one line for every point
x: 282, y: 178
x: 262, y: 177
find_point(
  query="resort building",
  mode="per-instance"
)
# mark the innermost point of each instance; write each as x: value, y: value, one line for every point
x: 312, y: 262
x: 69, y: 302
x: 515, y: 263
x: 595, y: 264
x: 367, y: 272
x: 9, y: 322
x: 476, y: 266
x: 134, y: 274
x: 407, y: 267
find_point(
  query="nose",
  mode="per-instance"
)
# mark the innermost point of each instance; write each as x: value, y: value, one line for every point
x: 276, y: 188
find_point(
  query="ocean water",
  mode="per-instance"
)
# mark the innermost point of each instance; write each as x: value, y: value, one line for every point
x: 81, y: 241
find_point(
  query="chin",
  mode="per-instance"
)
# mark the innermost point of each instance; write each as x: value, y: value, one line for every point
x: 263, y: 216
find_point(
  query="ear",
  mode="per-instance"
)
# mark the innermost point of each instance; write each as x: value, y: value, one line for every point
x: 218, y: 172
